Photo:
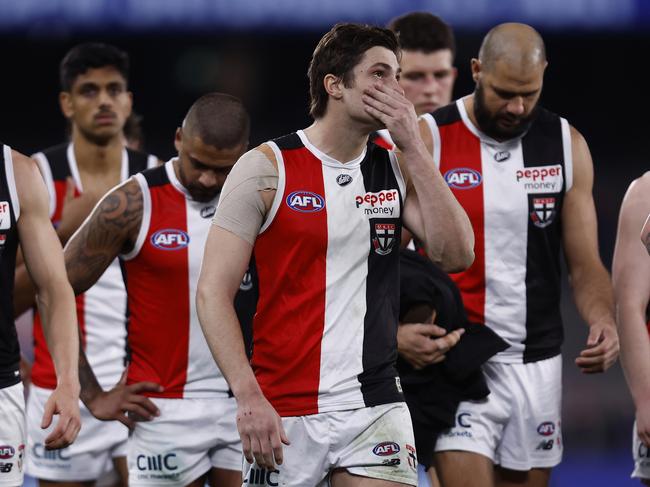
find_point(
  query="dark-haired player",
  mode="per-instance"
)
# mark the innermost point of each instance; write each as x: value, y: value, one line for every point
x: 96, y: 102
x: 322, y: 209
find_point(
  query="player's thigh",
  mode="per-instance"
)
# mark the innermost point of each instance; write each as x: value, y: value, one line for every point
x: 433, y: 477
x: 535, y: 477
x: 221, y: 477
x: 52, y: 483
x: 343, y: 478
x: 464, y: 469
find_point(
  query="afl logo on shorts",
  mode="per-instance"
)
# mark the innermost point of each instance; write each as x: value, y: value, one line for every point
x: 305, y: 202
x: 6, y: 452
x: 386, y: 449
x: 546, y: 429
x: 463, y: 178
x: 170, y: 239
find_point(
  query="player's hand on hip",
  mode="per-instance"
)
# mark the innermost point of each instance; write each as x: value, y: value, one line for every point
x: 386, y: 102
x: 602, y: 349
x: 114, y: 405
x: 261, y: 431
x: 64, y: 402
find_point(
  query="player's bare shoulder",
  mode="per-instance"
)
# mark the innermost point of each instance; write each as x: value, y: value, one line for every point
x: 29, y: 183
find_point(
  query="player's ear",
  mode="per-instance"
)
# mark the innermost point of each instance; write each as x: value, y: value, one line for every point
x: 334, y: 86
x: 476, y: 69
x: 65, y: 102
x: 178, y: 139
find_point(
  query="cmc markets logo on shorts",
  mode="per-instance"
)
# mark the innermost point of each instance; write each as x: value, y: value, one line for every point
x: 463, y: 178
x: 6, y: 452
x: 386, y: 449
x: 170, y: 239
x: 261, y: 476
x: 305, y: 202
x: 547, y: 428
x: 384, y: 202
x: 541, y: 179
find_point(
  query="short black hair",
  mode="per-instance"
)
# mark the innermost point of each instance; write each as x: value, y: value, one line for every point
x: 91, y: 55
x: 219, y: 120
x: 337, y: 53
x: 422, y: 31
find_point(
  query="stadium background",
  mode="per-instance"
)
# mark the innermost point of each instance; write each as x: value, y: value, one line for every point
x: 259, y: 51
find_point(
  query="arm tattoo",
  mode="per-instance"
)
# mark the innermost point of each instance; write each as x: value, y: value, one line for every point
x: 111, y: 230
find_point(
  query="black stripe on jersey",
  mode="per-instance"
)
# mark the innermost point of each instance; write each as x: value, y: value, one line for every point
x: 542, y: 146
x: 137, y: 161
x: 156, y: 176
x: 57, y: 158
x: 289, y: 142
x: 378, y: 381
x: 9, y: 348
x: 446, y: 115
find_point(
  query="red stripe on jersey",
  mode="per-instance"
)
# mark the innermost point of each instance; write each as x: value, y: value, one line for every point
x: 460, y: 149
x: 154, y: 356
x: 288, y: 327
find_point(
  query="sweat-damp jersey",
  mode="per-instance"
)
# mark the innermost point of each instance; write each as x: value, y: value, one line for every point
x: 324, y: 336
x: 512, y: 192
x: 101, y: 311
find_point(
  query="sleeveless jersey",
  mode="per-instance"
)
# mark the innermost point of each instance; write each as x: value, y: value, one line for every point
x: 166, y: 342
x: 324, y: 336
x: 512, y: 192
x: 9, y: 213
x: 101, y: 311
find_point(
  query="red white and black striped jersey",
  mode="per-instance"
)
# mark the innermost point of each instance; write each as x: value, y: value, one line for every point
x: 101, y: 311
x: 9, y: 214
x: 512, y: 192
x: 166, y: 342
x: 324, y: 336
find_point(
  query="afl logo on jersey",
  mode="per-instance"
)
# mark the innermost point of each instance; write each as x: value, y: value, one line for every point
x: 463, y: 178
x: 305, y: 201
x: 343, y: 179
x: 170, y: 239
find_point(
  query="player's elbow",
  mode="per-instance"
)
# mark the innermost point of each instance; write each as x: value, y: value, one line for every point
x: 459, y: 261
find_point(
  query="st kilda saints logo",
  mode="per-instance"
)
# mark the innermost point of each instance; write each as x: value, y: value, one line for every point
x: 383, y: 240
x: 543, y: 211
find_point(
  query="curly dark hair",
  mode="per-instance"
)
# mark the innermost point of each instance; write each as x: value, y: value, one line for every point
x: 91, y: 55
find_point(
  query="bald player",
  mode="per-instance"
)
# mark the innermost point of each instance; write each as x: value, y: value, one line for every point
x: 631, y: 277
x: 524, y: 176
x: 157, y: 223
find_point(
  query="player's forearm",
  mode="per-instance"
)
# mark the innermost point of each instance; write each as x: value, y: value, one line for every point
x: 635, y: 352
x: 448, y: 235
x: 223, y: 333
x: 57, y: 307
x: 90, y: 388
x: 593, y: 294
x: 24, y: 291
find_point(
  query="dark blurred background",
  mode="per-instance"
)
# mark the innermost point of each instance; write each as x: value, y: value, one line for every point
x: 259, y: 50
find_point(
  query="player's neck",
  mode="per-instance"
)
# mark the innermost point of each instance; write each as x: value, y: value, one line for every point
x: 94, y: 158
x: 339, y: 140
